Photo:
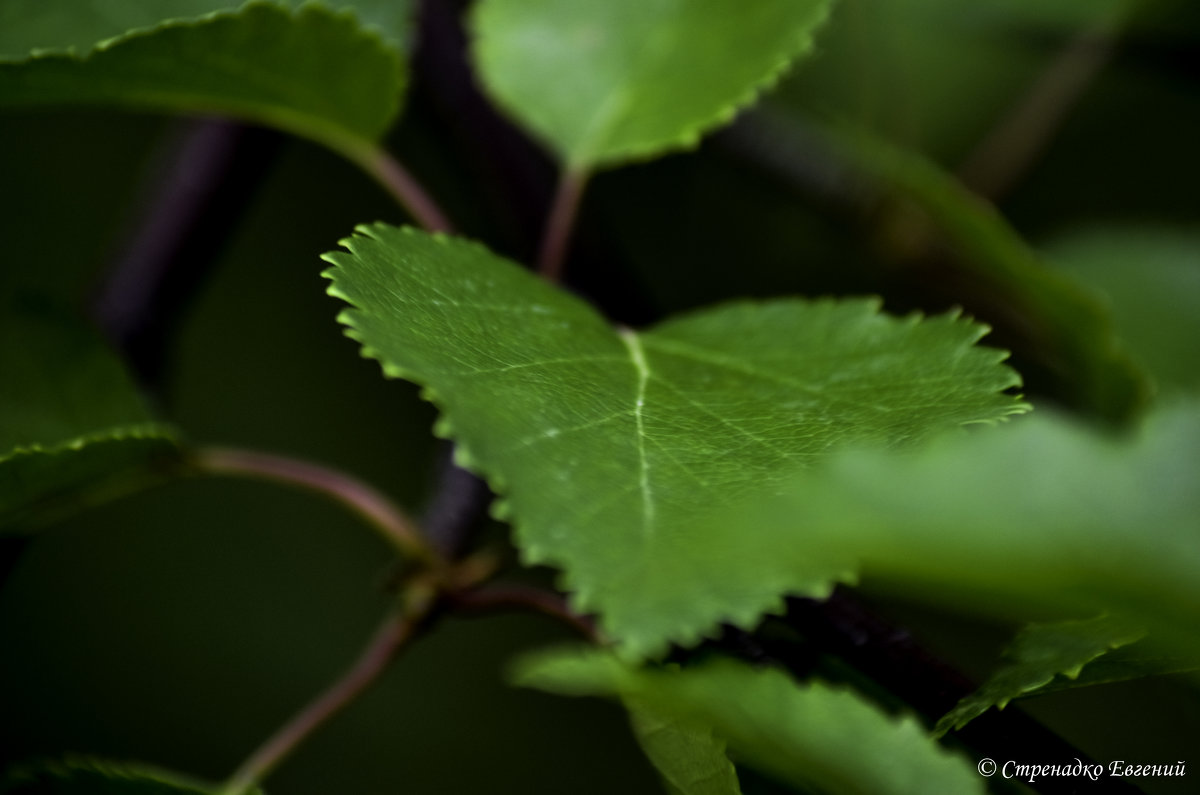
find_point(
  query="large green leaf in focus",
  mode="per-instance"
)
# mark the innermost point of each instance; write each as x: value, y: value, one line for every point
x: 85, y: 776
x: 72, y: 426
x: 78, y: 25
x: 313, y: 72
x: 1040, y: 653
x: 605, y: 82
x: 811, y: 735
x: 690, y: 760
x: 610, y: 446
x: 1042, y: 515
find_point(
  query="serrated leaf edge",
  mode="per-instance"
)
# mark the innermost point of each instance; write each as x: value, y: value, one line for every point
x: 945, y: 725
x: 144, y: 430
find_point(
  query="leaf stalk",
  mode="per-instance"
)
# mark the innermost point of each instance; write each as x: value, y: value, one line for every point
x: 564, y: 208
x: 362, y: 499
x: 401, y: 625
x: 402, y: 186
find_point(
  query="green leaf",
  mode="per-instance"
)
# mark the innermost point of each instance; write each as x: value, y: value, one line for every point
x: 313, y: 72
x: 607, y: 82
x: 1040, y: 653
x: 78, y: 25
x: 689, y: 758
x: 71, y: 423
x: 1043, y: 515
x: 28, y: 26
x: 811, y: 735
x: 1138, y: 660
x: 1075, y: 335
x: 610, y: 447
x: 83, y: 776
x: 1151, y: 280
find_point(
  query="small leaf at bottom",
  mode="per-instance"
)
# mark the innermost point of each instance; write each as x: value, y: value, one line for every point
x: 810, y: 735
x: 690, y: 760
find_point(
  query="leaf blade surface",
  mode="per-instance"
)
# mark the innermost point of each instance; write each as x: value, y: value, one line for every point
x: 809, y: 735
x: 71, y: 423
x: 313, y: 72
x: 626, y: 79
x: 78, y: 25
x: 690, y: 760
x: 1047, y: 516
x: 609, y: 446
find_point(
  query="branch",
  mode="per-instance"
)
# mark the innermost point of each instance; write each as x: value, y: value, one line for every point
x: 1007, y: 152
x: 512, y: 177
x: 192, y: 204
x: 457, y: 507
x: 396, y: 630
x: 365, y: 501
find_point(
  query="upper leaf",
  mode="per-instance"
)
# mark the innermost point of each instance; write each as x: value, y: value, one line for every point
x: 1045, y: 515
x: 313, y: 72
x: 811, y: 735
x: 603, y: 82
x: 77, y: 776
x: 611, y: 447
x: 69, y: 417
x: 1038, y: 654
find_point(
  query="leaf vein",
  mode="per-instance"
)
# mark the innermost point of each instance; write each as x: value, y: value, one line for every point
x: 638, y: 356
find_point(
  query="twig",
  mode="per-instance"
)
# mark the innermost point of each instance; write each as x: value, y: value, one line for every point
x: 497, y: 597
x: 1006, y: 153
x: 380, y: 512
x: 193, y: 203
x: 402, y: 186
x: 559, y: 223
x: 458, y: 505
x: 395, y: 631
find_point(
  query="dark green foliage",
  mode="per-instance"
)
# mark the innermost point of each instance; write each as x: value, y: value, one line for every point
x: 827, y: 412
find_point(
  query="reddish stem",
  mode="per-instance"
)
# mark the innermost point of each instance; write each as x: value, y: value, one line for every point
x: 395, y: 631
x: 403, y: 187
x: 375, y: 508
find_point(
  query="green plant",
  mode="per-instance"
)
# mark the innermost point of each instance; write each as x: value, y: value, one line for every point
x: 709, y: 487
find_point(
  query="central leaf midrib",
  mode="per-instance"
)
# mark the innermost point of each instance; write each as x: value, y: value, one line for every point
x: 637, y: 356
